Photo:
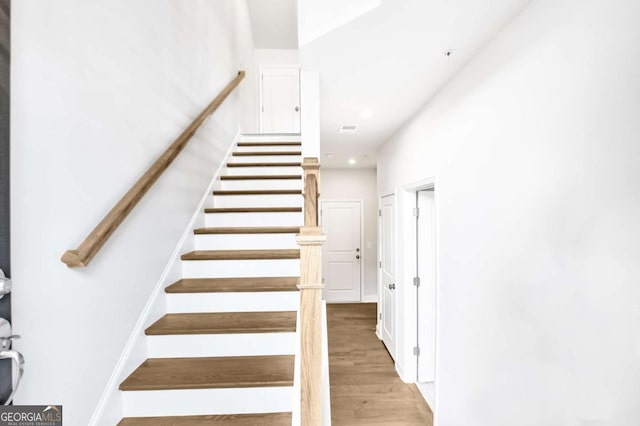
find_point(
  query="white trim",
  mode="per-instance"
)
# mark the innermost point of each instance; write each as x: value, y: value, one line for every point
x: 371, y: 298
x: 429, y: 399
x: 137, y: 338
x: 362, y: 257
x: 421, y: 184
x: 270, y: 134
x: 262, y: 67
x: 412, y: 317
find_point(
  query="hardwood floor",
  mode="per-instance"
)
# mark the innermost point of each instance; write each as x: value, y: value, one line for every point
x: 365, y: 388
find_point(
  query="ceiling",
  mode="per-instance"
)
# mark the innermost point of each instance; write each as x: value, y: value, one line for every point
x: 381, y: 61
x: 274, y: 23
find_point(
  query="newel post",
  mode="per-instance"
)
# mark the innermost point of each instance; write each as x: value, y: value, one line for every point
x: 310, y: 240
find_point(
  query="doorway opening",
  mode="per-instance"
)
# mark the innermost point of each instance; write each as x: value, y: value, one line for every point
x: 425, y: 291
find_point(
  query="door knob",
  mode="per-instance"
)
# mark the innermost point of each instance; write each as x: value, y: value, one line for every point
x: 358, y: 249
x: 357, y: 256
x: 392, y: 286
x: 297, y: 109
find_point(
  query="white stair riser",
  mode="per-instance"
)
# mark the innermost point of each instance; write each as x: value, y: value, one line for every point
x: 206, y: 345
x: 267, y: 301
x: 240, y: 268
x: 207, y: 401
x: 268, y: 200
x: 268, y: 148
x: 270, y: 170
x: 265, y: 137
x: 245, y: 241
x: 254, y: 219
x: 266, y: 159
x: 233, y: 185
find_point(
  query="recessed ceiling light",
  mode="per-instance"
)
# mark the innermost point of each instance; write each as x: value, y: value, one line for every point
x: 367, y: 113
x: 449, y: 53
x: 352, y: 161
x: 348, y: 128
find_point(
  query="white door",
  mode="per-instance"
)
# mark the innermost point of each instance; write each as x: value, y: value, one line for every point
x: 341, y: 253
x: 280, y: 95
x: 426, y: 243
x: 387, y: 273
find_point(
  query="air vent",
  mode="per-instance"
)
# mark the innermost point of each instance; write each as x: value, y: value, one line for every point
x: 348, y: 128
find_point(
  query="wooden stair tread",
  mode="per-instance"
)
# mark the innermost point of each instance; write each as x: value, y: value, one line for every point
x: 231, y: 285
x: 224, y: 323
x: 264, y: 153
x: 269, y: 164
x: 249, y: 230
x: 242, y: 254
x: 262, y: 177
x: 260, y: 192
x: 254, y: 210
x: 281, y: 143
x: 266, y: 419
x: 211, y: 373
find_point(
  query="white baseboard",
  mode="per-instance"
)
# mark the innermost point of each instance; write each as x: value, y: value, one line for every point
x: 427, y: 390
x: 109, y: 408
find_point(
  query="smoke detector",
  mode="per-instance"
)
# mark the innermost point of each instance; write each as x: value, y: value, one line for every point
x: 348, y: 128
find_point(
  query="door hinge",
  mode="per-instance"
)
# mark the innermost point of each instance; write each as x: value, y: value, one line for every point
x: 380, y: 212
x: 380, y: 316
x: 380, y: 264
x: 416, y: 212
x: 416, y: 351
x: 416, y: 281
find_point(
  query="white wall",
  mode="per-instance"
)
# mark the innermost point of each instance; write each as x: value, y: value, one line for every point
x: 534, y: 147
x: 99, y: 89
x: 318, y: 17
x: 358, y: 184
x: 310, y: 113
x: 276, y: 57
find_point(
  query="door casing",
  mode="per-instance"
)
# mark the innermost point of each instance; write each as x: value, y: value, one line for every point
x: 426, y: 292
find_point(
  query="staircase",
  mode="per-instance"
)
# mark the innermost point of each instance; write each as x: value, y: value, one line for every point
x: 224, y: 351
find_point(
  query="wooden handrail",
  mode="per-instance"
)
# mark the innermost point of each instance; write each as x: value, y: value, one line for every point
x: 101, y: 233
x: 310, y: 240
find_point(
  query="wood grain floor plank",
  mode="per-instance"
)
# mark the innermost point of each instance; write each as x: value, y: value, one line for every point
x: 254, y: 210
x: 267, y: 164
x: 265, y: 153
x: 232, y: 285
x: 270, y: 419
x: 365, y: 388
x: 259, y: 192
x: 292, y: 143
x: 211, y: 372
x: 224, y: 323
x: 242, y: 254
x: 261, y: 177
x: 249, y: 230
